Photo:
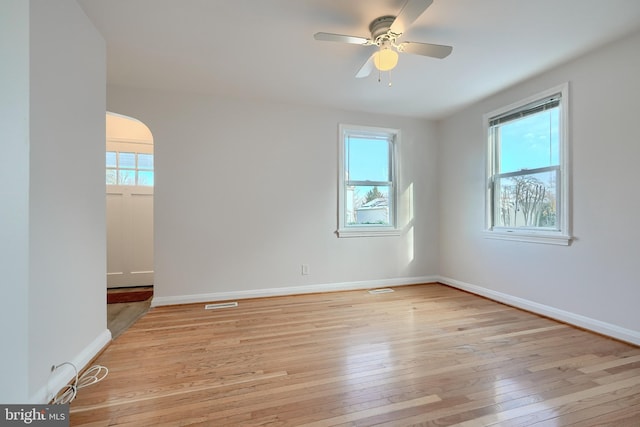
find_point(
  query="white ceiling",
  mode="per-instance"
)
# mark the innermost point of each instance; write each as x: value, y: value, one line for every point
x: 264, y: 49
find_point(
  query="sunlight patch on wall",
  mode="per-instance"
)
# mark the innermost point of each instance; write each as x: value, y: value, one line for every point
x: 407, y: 218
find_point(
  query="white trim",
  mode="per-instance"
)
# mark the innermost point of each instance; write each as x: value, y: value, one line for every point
x: 128, y: 140
x: 63, y: 375
x: 533, y: 237
x: 291, y: 290
x: 369, y: 232
x: 594, y: 325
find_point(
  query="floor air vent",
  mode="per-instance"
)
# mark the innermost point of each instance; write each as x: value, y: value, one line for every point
x: 380, y: 291
x: 220, y: 305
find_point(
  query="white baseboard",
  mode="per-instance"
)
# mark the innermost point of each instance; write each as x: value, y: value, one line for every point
x: 291, y: 290
x: 63, y: 375
x: 604, y: 328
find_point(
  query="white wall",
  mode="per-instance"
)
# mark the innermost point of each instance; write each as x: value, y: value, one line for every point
x: 14, y: 193
x: 246, y: 192
x: 594, y: 282
x: 61, y: 304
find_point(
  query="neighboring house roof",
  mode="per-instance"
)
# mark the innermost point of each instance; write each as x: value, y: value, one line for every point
x: 380, y: 201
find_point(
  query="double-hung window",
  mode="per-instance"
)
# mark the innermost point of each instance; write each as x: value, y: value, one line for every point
x: 367, y: 181
x: 527, y: 182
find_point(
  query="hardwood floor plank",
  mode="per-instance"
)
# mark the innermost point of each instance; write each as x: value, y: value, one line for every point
x: 536, y: 411
x: 422, y: 355
x: 384, y: 409
x: 607, y: 413
x: 619, y: 413
x: 193, y: 387
x: 569, y: 363
x: 610, y: 364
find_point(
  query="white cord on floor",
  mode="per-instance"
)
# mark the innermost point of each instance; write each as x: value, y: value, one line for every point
x: 94, y: 374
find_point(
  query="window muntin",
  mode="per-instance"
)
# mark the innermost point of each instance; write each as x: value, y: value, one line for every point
x: 129, y: 168
x: 367, y: 199
x: 527, y: 173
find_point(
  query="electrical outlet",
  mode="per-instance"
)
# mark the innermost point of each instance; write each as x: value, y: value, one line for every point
x: 305, y: 269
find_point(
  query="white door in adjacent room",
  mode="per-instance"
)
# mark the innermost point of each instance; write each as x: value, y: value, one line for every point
x: 129, y: 236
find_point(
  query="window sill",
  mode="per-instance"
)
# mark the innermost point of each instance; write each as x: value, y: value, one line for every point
x: 368, y: 232
x: 531, y: 237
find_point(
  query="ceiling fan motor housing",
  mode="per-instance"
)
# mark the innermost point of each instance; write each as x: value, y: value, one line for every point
x: 380, y: 26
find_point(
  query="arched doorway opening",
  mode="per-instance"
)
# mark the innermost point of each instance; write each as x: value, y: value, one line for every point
x: 129, y: 178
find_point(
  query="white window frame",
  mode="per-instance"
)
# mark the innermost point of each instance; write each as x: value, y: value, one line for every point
x: 561, y: 236
x: 358, y: 230
x: 130, y: 146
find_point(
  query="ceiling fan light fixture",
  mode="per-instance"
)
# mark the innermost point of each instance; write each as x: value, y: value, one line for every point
x: 385, y: 59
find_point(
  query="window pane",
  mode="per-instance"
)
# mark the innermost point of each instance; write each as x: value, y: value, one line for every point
x: 111, y: 159
x: 127, y: 160
x: 367, y: 205
x: 527, y: 200
x: 367, y: 159
x: 111, y: 177
x: 145, y: 178
x: 145, y: 161
x: 126, y: 177
x: 530, y: 142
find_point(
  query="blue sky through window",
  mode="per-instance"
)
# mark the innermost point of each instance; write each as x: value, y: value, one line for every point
x: 530, y: 142
x: 367, y: 159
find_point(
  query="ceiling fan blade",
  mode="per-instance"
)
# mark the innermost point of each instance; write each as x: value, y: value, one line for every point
x: 329, y: 37
x: 426, y: 49
x: 411, y: 10
x: 366, y: 69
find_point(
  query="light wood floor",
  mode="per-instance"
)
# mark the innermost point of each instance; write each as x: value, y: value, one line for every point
x: 423, y: 355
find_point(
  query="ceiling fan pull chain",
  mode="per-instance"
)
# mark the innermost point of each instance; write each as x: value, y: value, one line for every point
x: 388, y: 75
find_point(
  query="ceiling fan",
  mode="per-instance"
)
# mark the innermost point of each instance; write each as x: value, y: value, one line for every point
x: 385, y: 32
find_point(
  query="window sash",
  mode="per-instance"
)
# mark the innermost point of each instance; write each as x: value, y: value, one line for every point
x: 498, y: 205
x: 368, y: 218
x: 527, y: 172
x: 369, y: 183
x: 495, y: 132
x: 388, y: 139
